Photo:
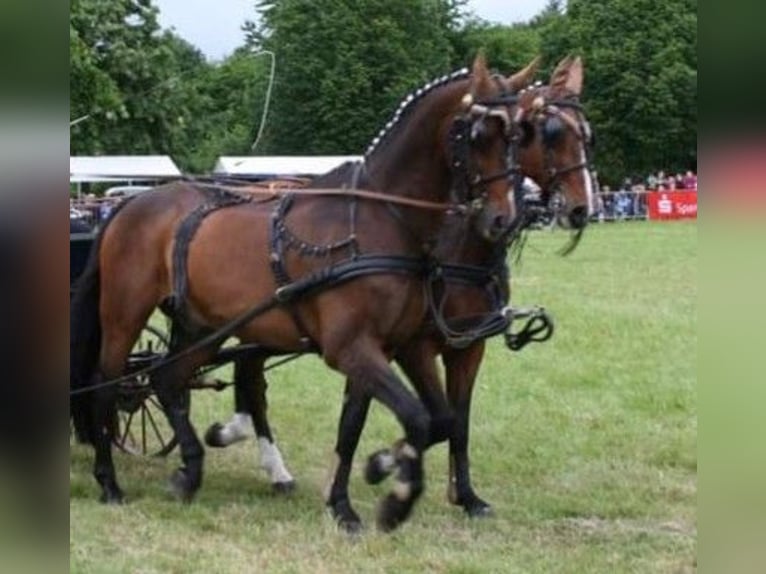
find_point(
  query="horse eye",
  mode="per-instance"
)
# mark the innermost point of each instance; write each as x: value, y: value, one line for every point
x: 552, y: 130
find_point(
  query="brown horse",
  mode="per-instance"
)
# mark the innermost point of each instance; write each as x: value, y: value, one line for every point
x: 555, y: 152
x: 552, y: 148
x: 447, y: 151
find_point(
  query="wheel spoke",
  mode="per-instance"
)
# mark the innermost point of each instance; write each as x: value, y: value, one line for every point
x: 127, y: 422
x: 154, y: 426
x: 143, y: 430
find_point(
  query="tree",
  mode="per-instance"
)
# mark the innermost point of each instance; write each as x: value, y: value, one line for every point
x: 342, y: 66
x: 507, y: 48
x: 127, y: 76
x: 641, y: 79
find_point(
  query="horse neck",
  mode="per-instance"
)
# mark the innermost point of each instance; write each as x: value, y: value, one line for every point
x: 412, y: 163
x: 459, y: 243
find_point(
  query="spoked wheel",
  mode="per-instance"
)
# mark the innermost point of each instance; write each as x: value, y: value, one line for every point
x: 142, y: 426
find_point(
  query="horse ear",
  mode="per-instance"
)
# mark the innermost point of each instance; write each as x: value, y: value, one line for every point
x: 480, y: 78
x: 560, y: 74
x: 523, y: 78
x: 568, y: 76
x: 575, y: 77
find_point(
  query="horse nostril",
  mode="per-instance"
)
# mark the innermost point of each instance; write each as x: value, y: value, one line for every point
x: 500, y: 223
x: 578, y: 217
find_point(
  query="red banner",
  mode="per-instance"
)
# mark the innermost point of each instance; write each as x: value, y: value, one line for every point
x: 672, y: 205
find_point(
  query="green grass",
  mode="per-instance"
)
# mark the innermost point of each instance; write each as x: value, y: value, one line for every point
x: 585, y: 445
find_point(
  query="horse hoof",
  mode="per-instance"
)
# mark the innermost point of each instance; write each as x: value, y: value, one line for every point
x: 478, y: 509
x: 351, y: 527
x: 112, y: 498
x: 379, y: 466
x: 393, y: 512
x: 181, y: 487
x: 283, y: 487
x: 345, y: 517
x: 213, y: 436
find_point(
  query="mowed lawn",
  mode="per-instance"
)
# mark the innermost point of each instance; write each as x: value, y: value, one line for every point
x: 585, y: 445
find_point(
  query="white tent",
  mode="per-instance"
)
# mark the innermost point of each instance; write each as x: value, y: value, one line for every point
x: 121, y: 168
x: 276, y: 166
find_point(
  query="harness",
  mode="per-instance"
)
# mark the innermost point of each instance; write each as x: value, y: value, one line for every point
x: 281, y: 240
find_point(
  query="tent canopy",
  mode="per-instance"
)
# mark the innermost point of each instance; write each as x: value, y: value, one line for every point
x: 121, y: 168
x: 276, y: 166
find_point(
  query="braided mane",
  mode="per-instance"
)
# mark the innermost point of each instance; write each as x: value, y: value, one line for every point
x: 409, y: 102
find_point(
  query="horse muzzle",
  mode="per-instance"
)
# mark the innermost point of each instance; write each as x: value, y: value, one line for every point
x: 575, y: 218
x: 494, y: 226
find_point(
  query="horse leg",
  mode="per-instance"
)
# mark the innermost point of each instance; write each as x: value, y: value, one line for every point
x: 238, y: 427
x: 367, y: 366
x: 418, y: 361
x: 251, y: 389
x: 356, y: 405
x: 117, y: 341
x: 169, y: 384
x: 250, y: 406
x: 103, y: 415
x: 462, y: 366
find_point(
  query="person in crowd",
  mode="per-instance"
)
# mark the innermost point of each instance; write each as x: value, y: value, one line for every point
x: 104, y: 210
x: 652, y: 182
x: 680, y: 181
x: 662, y: 181
x: 670, y: 183
x: 690, y: 181
x: 607, y: 201
x: 624, y: 200
x: 639, y: 200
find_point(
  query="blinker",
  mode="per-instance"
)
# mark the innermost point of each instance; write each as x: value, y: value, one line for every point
x: 478, y: 129
x: 553, y: 128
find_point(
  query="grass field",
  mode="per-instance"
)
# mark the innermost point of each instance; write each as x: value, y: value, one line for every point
x: 586, y: 446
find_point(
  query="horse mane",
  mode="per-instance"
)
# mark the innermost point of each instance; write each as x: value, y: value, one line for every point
x: 409, y: 102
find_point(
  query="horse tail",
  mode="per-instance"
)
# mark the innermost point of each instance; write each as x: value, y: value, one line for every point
x: 85, y: 337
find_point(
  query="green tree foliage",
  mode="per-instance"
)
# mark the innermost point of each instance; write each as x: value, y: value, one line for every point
x: 120, y: 65
x: 507, y: 48
x: 641, y: 79
x: 230, y: 99
x: 149, y: 91
x: 342, y: 65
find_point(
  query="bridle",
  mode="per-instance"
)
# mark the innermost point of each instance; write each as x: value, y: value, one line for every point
x: 543, y: 113
x: 466, y: 128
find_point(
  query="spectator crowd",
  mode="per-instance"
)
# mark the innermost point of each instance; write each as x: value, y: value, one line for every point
x: 628, y: 201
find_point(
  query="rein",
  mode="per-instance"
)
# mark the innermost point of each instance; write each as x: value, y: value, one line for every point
x: 449, y: 208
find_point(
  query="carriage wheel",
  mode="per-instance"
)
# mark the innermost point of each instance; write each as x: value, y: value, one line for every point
x: 142, y: 428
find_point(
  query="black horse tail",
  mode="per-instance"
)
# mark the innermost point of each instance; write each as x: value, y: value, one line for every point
x: 84, y: 342
x: 85, y: 338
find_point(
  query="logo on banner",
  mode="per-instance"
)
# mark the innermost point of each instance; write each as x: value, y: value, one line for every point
x: 664, y: 205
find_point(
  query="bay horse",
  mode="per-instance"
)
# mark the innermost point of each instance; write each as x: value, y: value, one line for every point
x: 447, y: 152
x: 552, y: 148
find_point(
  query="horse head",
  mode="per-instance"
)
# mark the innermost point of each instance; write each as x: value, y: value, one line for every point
x: 451, y: 144
x: 555, y: 141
